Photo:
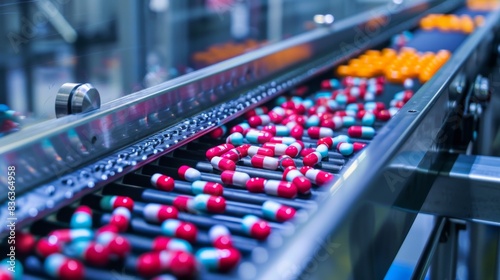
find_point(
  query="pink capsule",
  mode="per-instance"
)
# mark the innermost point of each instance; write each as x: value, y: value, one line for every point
x: 277, y: 212
x: 110, y: 202
x: 305, y: 152
x: 234, y: 178
x: 243, y: 149
x: 278, y: 148
x: 286, y: 161
x: 209, y: 203
x: 316, y: 176
x: 162, y: 182
x: 118, y: 245
x: 291, y: 174
x: 328, y: 141
x: 184, y: 203
x: 383, y: 115
x: 255, y: 150
x: 48, y: 246
x: 91, y: 252
x: 222, y: 163
x: 240, y: 128
x: 365, y: 132
x: 272, y: 187
x: 71, y: 235
x: 358, y: 146
x: 283, y: 140
x: 157, y: 213
x: 277, y: 130
x: 120, y: 218
x: 218, y: 132
x: 199, y: 187
x: 179, y: 263
x: 220, y: 237
x: 235, y: 139
x: 294, y: 149
x: 334, y: 122
x: 59, y: 266
x: 265, y: 162
x: 276, y: 115
x: 221, y: 260
x: 233, y: 155
x: 312, y: 159
x: 297, y: 132
x: 257, y: 111
x: 255, y: 227
x: 218, y: 150
x: 162, y: 243
x: 258, y: 137
x: 316, y: 132
x: 188, y: 173
x: 260, y: 120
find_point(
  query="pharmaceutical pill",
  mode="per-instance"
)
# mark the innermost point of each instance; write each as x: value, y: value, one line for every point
x: 323, y: 150
x: 221, y: 260
x: 218, y: 132
x: 220, y: 237
x: 120, y: 218
x: 222, y: 164
x: 294, y: 148
x: 265, y: 162
x: 316, y: 176
x: 240, y: 128
x: 179, y: 263
x: 188, y: 173
x: 255, y: 227
x: 277, y: 212
x: 61, y: 267
x: 258, y: 137
x: 179, y: 229
x: 209, y: 203
x: 286, y: 161
x: 277, y: 130
x: 157, y: 213
x: 218, y: 150
x: 161, y: 243
x: 312, y: 159
x: 91, y: 252
x: 70, y: 235
x: 346, y: 149
x: 162, y: 182
x: 256, y: 150
x: 82, y: 218
x: 199, y: 187
x: 278, y: 149
x: 235, y: 139
x: 291, y: 174
x: 364, y: 132
x: 110, y: 202
x: 316, y: 132
x: 259, y: 120
x: 234, y: 178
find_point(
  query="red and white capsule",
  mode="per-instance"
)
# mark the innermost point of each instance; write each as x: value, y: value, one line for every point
x: 188, y: 173
x: 364, y: 132
x: 179, y: 229
x: 277, y: 114
x: 161, y: 243
x: 70, y: 235
x: 285, y: 140
x: 179, y: 263
x: 240, y: 128
x: 272, y: 187
x: 256, y: 150
x: 286, y: 161
x: 328, y: 141
x: 184, y: 203
x: 312, y: 159
x: 220, y: 237
x: 279, y: 149
x: 264, y: 162
x: 120, y: 218
x: 255, y: 227
x: 162, y: 182
x: 218, y: 132
x: 294, y: 149
x: 258, y: 137
x: 157, y: 213
x: 358, y: 146
x: 259, y: 120
x: 316, y: 132
x: 110, y: 202
x: 91, y: 252
x: 218, y: 150
x: 222, y: 164
x: 275, y: 211
x: 317, y: 177
x: 59, y: 266
x: 234, y: 178
x: 118, y: 245
x: 233, y: 155
x: 277, y: 130
x: 48, y: 246
x: 291, y: 174
x: 297, y: 132
x: 215, y: 259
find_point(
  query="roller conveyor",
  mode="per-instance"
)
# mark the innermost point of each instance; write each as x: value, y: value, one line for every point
x: 369, y: 195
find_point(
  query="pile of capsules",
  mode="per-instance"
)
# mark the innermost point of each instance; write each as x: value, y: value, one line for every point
x: 448, y: 23
x: 293, y: 137
x: 9, y: 120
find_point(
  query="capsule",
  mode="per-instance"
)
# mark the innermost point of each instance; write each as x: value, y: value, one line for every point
x: 368, y: 119
x: 257, y: 111
x: 218, y: 132
x: 179, y: 263
x: 335, y: 122
x: 265, y: 162
x: 199, y: 187
x: 161, y: 243
x: 272, y: 187
x: 330, y: 84
x: 189, y: 174
x: 328, y: 141
x: 91, y: 252
x: 275, y: 211
x: 179, y: 229
x: 375, y: 106
x: 294, y: 149
x: 6, y: 271
x: 319, y: 132
x: 348, y: 121
x: 118, y: 245
x: 221, y: 260
x: 297, y: 132
x: 243, y: 149
x: 220, y: 237
x: 255, y: 227
x: 286, y: 161
x: 346, y: 149
x: 278, y: 148
x: 283, y: 140
x: 162, y: 182
x: 256, y: 150
x: 157, y: 213
x: 317, y: 177
x: 305, y: 152
x: 291, y: 174
x: 277, y: 130
x: 323, y: 150
x: 313, y: 120
x: 48, y: 246
x: 357, y: 146
x: 259, y: 120
x: 120, y: 218
x: 222, y: 164
x: 312, y: 159
x: 70, y: 235
x: 233, y: 155
x: 364, y: 132
x: 235, y: 139
x: 82, y: 218
x: 184, y: 203
x: 240, y: 128
x: 234, y: 178
x: 383, y: 115
x: 340, y: 138
x: 209, y: 203
x: 218, y: 150
x: 277, y: 114
x: 258, y: 137
x: 61, y: 267
x: 111, y: 202
x: 25, y: 242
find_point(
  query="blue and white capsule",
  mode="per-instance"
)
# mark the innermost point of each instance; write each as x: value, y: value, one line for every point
x: 339, y: 139
x: 323, y: 150
x: 82, y: 218
x: 368, y: 119
x: 348, y: 121
x: 235, y: 138
x: 345, y: 149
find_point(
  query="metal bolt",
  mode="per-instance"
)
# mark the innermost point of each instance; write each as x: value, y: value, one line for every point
x: 482, y: 88
x: 73, y: 98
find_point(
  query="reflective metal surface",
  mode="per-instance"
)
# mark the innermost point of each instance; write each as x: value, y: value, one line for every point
x: 76, y: 98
